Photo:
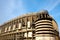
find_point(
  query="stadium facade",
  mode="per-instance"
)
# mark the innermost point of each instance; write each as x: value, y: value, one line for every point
x: 35, y: 26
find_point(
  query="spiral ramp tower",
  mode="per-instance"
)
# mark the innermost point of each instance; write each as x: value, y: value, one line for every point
x: 46, y: 27
x: 36, y: 26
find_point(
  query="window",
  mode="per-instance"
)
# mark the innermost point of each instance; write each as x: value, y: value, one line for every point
x: 25, y: 34
x: 40, y: 15
x: 19, y: 26
x: 0, y: 30
x: 43, y: 15
x: 52, y: 38
x: 14, y: 27
x: 9, y: 28
x: 45, y: 38
x: 33, y: 25
x: 5, y: 29
x: 23, y: 23
x: 28, y: 24
x: 33, y: 32
x: 39, y: 38
x: 29, y: 34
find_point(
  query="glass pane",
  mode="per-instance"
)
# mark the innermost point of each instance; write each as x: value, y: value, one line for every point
x: 19, y: 26
x: 28, y: 24
x: 9, y: 28
x: 52, y: 38
x: 5, y: 29
x: 25, y: 35
x: 29, y: 34
x: 45, y: 38
x: 39, y: 38
x: 0, y: 30
x: 14, y: 27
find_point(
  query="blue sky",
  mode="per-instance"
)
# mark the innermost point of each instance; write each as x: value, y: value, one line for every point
x: 10, y: 9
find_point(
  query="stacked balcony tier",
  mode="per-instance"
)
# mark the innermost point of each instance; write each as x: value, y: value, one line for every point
x: 44, y: 27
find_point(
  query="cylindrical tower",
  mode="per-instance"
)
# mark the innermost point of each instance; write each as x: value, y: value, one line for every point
x: 46, y: 27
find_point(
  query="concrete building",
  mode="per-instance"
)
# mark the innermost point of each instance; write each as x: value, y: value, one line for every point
x: 35, y: 26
